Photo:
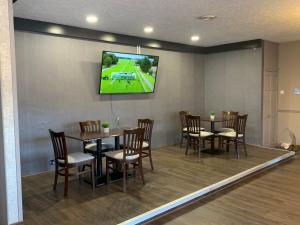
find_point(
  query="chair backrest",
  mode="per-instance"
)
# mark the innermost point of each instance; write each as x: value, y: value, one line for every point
x: 133, y: 142
x: 148, y: 125
x: 90, y: 126
x: 229, y: 119
x: 241, y: 121
x: 193, y: 124
x: 59, y: 146
x: 182, y: 115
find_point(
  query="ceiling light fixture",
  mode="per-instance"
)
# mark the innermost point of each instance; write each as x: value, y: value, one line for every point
x: 206, y: 17
x: 148, y: 30
x: 92, y: 19
x: 195, y: 38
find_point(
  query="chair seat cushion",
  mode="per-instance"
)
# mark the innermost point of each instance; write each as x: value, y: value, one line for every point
x: 77, y: 157
x: 145, y: 144
x: 185, y: 129
x: 230, y: 134
x: 93, y: 146
x: 225, y: 129
x: 119, y: 155
x: 202, y: 134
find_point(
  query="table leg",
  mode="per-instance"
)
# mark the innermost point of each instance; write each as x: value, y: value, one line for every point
x: 99, y: 158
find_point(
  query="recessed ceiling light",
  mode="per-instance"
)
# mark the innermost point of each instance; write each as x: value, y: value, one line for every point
x: 195, y: 38
x: 148, y: 30
x: 92, y: 19
x: 55, y: 30
x: 207, y: 17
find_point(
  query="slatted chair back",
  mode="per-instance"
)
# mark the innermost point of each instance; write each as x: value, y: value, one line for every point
x: 229, y: 119
x: 133, y: 142
x: 90, y: 126
x: 59, y: 146
x: 182, y: 115
x: 193, y: 124
x: 241, y: 124
x: 148, y: 125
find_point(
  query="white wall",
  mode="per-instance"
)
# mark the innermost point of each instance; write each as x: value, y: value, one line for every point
x: 288, y: 79
x: 233, y: 81
x: 10, y: 179
x: 58, y: 86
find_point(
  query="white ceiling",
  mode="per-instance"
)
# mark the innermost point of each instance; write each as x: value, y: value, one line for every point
x: 175, y: 20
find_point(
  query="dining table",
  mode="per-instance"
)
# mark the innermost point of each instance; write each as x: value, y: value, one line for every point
x: 115, y: 133
x: 213, y: 149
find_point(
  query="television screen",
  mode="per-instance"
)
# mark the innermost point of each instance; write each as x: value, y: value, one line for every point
x: 124, y: 73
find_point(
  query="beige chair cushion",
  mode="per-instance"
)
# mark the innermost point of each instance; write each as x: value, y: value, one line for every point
x: 119, y: 155
x: 225, y: 129
x: 77, y: 157
x: 202, y: 134
x: 145, y: 144
x: 185, y: 129
x: 230, y: 134
x: 91, y: 146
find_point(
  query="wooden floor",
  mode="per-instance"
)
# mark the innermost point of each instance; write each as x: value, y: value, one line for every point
x: 175, y: 175
x: 270, y: 198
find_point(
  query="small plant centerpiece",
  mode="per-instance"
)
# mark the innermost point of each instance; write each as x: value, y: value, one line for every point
x: 212, y: 116
x: 105, y: 126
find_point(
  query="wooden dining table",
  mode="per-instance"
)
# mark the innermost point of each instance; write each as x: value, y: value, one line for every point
x: 212, y: 149
x: 98, y: 137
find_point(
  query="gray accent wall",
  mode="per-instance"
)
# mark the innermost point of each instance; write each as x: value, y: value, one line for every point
x: 233, y: 81
x: 58, y: 82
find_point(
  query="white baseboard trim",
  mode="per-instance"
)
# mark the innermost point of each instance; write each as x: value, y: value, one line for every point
x: 203, y: 192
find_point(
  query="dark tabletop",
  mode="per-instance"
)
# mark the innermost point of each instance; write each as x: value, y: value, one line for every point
x: 87, y: 136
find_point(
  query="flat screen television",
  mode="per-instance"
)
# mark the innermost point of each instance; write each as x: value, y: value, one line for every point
x: 125, y: 73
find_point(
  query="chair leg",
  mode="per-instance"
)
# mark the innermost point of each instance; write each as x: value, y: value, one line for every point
x: 66, y: 181
x: 107, y: 171
x: 150, y: 158
x: 236, y: 149
x: 93, y: 174
x: 181, y: 141
x: 55, y: 178
x: 124, y: 176
x: 80, y: 176
x: 187, y: 145
x: 227, y: 145
x: 220, y: 143
x: 141, y: 170
x: 245, y: 148
x: 199, y: 148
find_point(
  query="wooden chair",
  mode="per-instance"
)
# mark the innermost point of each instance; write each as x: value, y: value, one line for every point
x: 238, y: 136
x: 228, y: 124
x: 147, y: 124
x: 64, y: 161
x: 91, y: 146
x: 195, y: 136
x: 182, y: 115
x: 130, y: 154
x: 229, y: 121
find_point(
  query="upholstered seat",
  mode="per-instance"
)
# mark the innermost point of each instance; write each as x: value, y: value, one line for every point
x: 119, y: 155
x: 225, y: 129
x: 77, y: 157
x: 185, y: 129
x: 202, y: 134
x: 230, y: 134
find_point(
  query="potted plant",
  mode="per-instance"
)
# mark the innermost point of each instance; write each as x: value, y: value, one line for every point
x: 105, y: 127
x: 212, y: 116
